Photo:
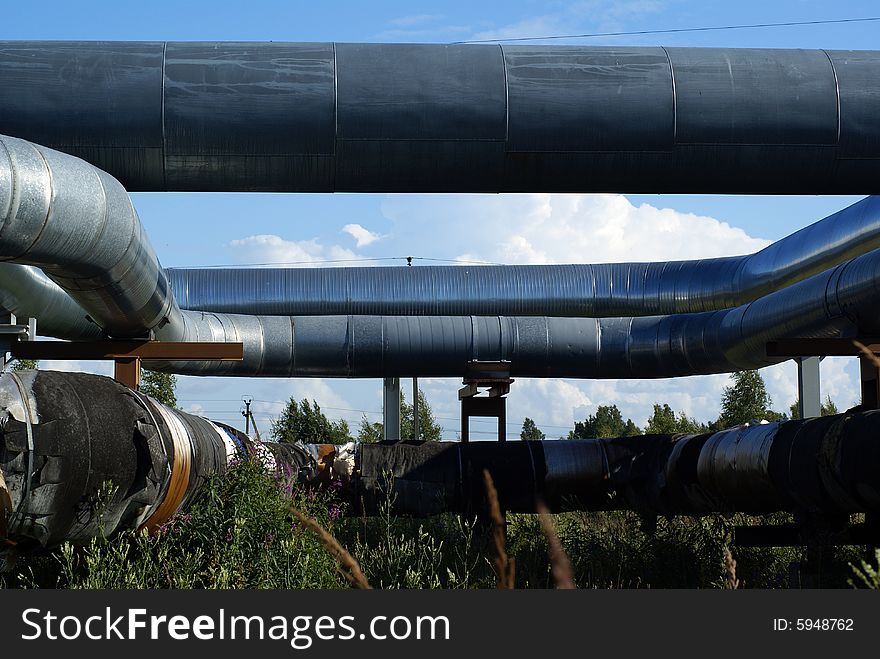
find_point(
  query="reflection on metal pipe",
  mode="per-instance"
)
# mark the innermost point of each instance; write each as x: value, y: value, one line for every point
x: 595, y: 290
x: 442, y: 117
x: 64, y: 436
x: 78, y: 225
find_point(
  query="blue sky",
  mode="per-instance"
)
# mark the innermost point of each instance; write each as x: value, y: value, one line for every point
x: 254, y: 228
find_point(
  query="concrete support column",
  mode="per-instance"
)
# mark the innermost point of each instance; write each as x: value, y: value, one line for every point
x: 391, y: 408
x: 809, y: 398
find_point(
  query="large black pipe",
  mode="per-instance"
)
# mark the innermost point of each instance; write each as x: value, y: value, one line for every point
x: 482, y: 118
x: 65, y: 436
x: 83, y: 456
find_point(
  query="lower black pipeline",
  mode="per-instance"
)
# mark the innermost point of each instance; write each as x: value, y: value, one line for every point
x: 83, y: 456
x: 828, y: 465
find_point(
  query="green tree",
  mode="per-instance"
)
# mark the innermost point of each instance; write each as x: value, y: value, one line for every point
x: 429, y: 429
x: 370, y: 433
x: 22, y: 365
x: 607, y: 422
x: 160, y: 386
x: 827, y: 408
x: 305, y: 422
x: 530, y: 430
x: 665, y: 422
x: 745, y: 400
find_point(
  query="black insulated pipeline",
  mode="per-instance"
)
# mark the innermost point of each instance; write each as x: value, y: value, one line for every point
x: 65, y: 436
x: 325, y: 117
x: 828, y: 465
x: 82, y: 456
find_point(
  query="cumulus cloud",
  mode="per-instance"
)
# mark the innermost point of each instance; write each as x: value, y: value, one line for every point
x: 361, y: 235
x: 275, y: 250
x: 560, y: 228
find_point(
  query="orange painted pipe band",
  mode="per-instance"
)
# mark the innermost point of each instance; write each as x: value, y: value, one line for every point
x: 181, y: 465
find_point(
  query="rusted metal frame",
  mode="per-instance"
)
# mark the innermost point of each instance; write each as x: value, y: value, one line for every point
x: 127, y: 355
x: 122, y: 349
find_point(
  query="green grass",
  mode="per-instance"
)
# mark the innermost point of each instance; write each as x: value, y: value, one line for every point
x: 240, y: 534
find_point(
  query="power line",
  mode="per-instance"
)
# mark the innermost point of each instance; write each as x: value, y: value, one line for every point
x: 347, y: 409
x: 750, y: 26
x: 365, y: 259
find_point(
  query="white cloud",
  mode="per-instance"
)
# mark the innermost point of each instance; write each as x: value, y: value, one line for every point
x: 415, y: 19
x: 103, y: 367
x: 536, y: 26
x: 559, y: 228
x: 361, y: 235
x: 587, y: 16
x: 275, y: 250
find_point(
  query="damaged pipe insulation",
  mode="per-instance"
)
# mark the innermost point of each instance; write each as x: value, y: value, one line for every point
x: 64, y: 437
x: 595, y: 290
x: 325, y: 117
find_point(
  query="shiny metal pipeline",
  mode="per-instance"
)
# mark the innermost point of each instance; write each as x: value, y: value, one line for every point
x: 27, y: 292
x: 328, y: 117
x: 78, y: 225
x: 840, y: 301
x: 837, y: 302
x: 595, y: 290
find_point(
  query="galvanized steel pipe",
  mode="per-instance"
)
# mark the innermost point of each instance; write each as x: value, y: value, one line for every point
x: 77, y: 223
x: 432, y: 117
x: 595, y: 290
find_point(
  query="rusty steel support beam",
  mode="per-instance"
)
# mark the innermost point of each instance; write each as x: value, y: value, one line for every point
x: 127, y: 355
x: 110, y: 349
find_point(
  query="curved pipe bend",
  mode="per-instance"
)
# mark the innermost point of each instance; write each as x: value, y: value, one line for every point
x: 77, y: 223
x: 591, y: 290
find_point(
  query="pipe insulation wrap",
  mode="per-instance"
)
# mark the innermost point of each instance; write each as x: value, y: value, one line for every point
x: 93, y: 430
x: 837, y: 302
x: 92, y: 433
x: 829, y: 465
x: 326, y: 117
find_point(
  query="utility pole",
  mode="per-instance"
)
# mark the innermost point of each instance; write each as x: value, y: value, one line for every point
x: 415, y: 408
x: 246, y: 413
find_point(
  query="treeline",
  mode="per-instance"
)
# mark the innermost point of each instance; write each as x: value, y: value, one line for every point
x: 303, y: 421
x: 744, y: 400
